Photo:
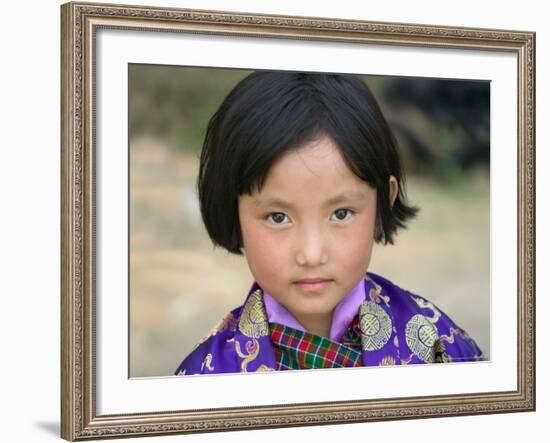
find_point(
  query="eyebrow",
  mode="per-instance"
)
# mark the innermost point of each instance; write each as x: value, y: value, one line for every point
x: 339, y: 198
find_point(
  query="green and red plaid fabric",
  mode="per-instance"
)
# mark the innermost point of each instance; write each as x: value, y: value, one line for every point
x: 352, y: 337
x: 295, y: 349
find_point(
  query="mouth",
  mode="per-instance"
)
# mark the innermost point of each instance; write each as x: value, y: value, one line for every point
x: 313, y: 284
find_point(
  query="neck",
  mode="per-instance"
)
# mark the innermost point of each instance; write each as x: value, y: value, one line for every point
x: 317, y: 324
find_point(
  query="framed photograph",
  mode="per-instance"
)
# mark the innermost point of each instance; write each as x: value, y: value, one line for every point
x: 184, y: 305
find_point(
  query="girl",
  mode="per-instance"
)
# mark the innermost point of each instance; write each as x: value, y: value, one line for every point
x: 300, y: 173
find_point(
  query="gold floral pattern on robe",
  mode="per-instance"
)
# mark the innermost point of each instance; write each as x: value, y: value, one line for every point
x: 253, y: 349
x: 207, y: 363
x: 427, y: 305
x: 253, y: 321
x: 440, y: 353
x: 388, y: 361
x: 421, y: 336
x: 452, y: 333
x: 375, y: 294
x: 226, y: 323
x: 376, y: 326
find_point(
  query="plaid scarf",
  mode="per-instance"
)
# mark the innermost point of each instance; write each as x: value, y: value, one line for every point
x: 295, y: 349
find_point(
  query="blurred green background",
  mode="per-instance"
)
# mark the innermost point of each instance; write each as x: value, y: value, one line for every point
x: 180, y: 286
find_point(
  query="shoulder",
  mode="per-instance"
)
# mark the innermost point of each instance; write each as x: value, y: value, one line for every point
x: 423, y: 322
x: 399, y: 298
x: 216, y: 342
x: 403, y: 299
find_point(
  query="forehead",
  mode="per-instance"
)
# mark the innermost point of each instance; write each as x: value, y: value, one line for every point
x: 312, y: 173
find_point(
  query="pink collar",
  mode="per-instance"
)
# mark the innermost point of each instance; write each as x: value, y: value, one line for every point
x: 342, y: 316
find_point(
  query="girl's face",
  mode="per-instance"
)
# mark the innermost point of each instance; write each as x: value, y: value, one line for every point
x: 308, y: 234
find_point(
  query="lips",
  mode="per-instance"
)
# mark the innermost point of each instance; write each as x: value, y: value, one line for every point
x: 316, y: 284
x: 313, y: 280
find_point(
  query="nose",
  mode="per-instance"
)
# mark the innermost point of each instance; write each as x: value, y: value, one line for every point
x: 311, y: 247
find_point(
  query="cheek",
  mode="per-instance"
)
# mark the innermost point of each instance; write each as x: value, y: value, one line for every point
x: 356, y: 245
x: 266, y: 251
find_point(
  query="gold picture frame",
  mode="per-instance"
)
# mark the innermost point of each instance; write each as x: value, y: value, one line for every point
x: 80, y: 23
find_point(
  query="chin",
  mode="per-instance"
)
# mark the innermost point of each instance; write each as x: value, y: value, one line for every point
x: 312, y: 308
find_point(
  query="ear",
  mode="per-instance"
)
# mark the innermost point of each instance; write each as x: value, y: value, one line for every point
x: 394, y: 189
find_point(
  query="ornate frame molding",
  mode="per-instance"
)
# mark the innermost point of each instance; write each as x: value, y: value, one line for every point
x: 79, y: 24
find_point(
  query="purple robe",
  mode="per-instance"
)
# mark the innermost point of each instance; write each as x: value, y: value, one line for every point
x: 397, y: 327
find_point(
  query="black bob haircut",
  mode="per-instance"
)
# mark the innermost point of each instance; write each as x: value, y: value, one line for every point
x: 270, y: 113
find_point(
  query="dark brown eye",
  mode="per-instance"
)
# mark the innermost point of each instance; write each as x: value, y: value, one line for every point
x: 342, y: 214
x: 277, y: 218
